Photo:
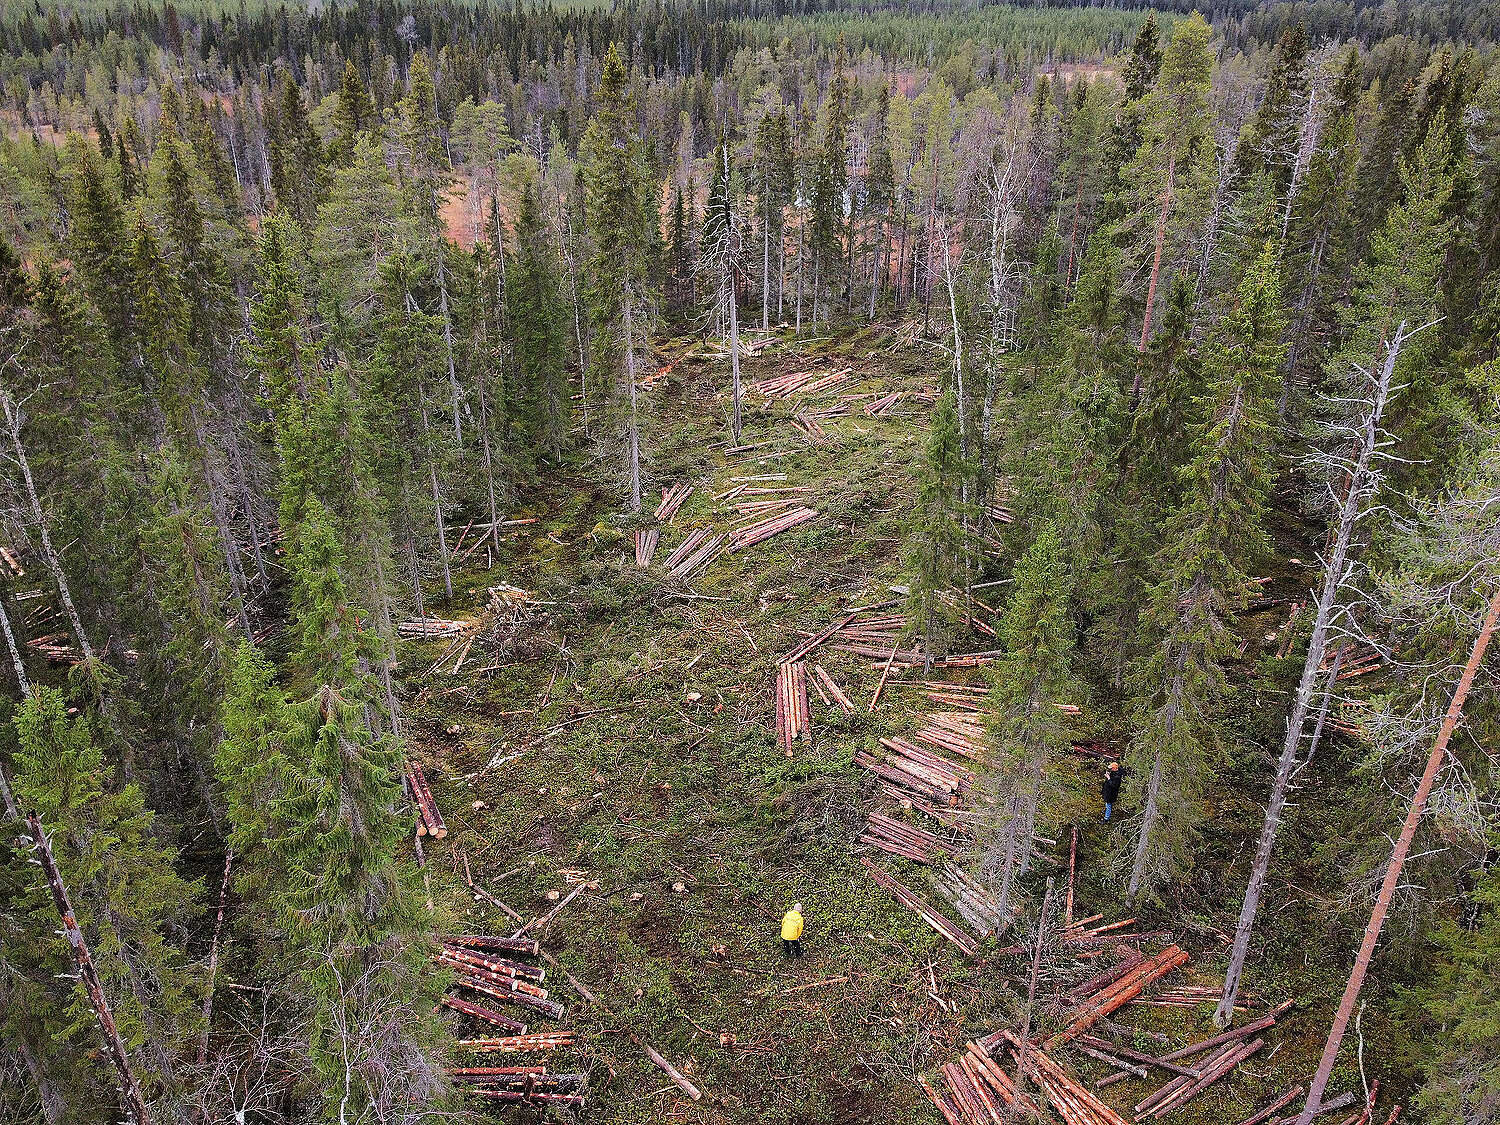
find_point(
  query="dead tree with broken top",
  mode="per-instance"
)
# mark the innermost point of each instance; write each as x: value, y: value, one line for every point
x: 1358, y: 478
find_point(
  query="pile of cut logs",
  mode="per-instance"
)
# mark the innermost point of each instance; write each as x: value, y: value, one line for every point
x: 432, y: 628
x: 882, y: 404
x: 645, y: 545
x: 957, y: 732
x: 793, y: 719
x: 904, y: 895
x: 1117, y: 993
x: 809, y: 427
x: 1074, y: 1102
x: 830, y: 692
x: 1084, y: 933
x: 902, y: 839
x: 480, y: 967
x: 672, y: 499
x: 917, y: 770
x: 700, y: 548
x: 529, y: 1084
x: 764, y: 529
x: 972, y: 900
x: 805, y: 382
x: 429, y: 820
x: 514, y: 1044
x: 979, y: 1091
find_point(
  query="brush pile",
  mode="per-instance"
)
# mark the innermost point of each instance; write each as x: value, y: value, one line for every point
x: 793, y: 719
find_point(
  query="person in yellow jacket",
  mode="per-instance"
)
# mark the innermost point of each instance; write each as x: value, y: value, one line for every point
x: 791, y: 932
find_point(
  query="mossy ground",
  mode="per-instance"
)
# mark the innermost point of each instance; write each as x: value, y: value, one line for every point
x: 623, y: 781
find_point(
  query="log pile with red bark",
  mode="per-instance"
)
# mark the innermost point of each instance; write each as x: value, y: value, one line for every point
x: 956, y: 732
x: 671, y: 500
x: 1177, y: 1092
x: 645, y: 545
x: 905, y: 840
x: 528, y: 1085
x: 1074, y: 1102
x: 904, y: 895
x: 762, y: 530
x: 700, y: 548
x: 876, y: 407
x: 429, y: 820
x: 917, y: 770
x: 1176, y: 1061
x: 1116, y: 995
x: 805, y: 382
x: 834, y: 693
x: 1083, y: 932
x: 793, y: 719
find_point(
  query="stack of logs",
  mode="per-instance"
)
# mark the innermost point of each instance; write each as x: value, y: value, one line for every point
x: 793, y: 719
x: 764, y: 529
x: 979, y: 1091
x: 514, y: 1044
x: 805, y: 382
x: 972, y: 900
x: 920, y: 771
x: 1074, y: 1102
x: 529, y: 1084
x: 671, y: 500
x: 645, y: 545
x: 432, y: 628
x: 830, y: 692
x: 957, y: 732
x: 694, y: 553
x: 1117, y: 993
x: 479, y: 967
x: 901, y: 839
x: 881, y: 405
x: 429, y: 820
x: 1082, y: 932
x: 921, y: 908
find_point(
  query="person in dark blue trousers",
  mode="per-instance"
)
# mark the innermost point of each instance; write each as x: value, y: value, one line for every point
x: 1110, y: 787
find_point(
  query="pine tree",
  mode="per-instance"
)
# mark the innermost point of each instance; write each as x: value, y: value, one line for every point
x: 1179, y: 684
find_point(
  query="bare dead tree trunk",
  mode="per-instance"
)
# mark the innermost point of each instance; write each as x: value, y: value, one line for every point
x: 14, y: 419
x: 213, y: 959
x: 130, y: 1090
x: 1036, y: 971
x: 633, y: 433
x: 1362, y: 481
x: 1398, y: 861
x: 15, y: 656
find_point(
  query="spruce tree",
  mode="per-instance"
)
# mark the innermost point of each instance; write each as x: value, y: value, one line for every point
x: 534, y: 313
x: 1026, y: 730
x: 1179, y: 685
x: 935, y: 553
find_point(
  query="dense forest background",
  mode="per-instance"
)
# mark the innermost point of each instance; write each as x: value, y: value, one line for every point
x: 289, y: 296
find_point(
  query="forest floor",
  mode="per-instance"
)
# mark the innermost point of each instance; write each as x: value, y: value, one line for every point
x: 620, y: 733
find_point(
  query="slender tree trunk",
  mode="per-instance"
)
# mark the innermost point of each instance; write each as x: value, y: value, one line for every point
x: 1360, y: 481
x: 54, y: 1111
x: 485, y: 458
x: 130, y: 1091
x: 765, y: 275
x: 1161, y: 240
x: 15, y: 653
x: 442, y: 280
x: 1036, y: 972
x: 1397, y: 863
x: 442, y: 534
x: 213, y: 959
x: 49, y: 553
x: 734, y: 350
x: 1153, y: 784
x: 781, y: 267
x: 633, y: 436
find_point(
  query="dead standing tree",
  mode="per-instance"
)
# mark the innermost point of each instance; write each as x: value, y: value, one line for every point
x: 1361, y: 483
